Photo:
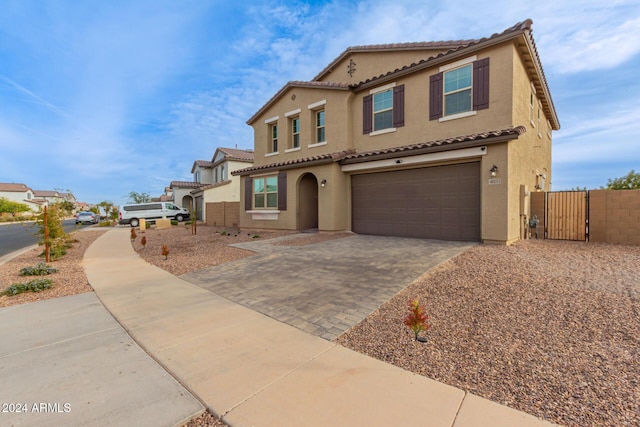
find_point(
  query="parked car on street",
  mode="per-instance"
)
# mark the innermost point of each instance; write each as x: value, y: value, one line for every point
x: 83, y: 217
x: 133, y: 213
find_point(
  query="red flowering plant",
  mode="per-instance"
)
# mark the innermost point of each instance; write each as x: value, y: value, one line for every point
x: 417, y: 319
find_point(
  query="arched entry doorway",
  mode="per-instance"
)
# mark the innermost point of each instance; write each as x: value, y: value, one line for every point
x: 187, y: 202
x: 308, y: 202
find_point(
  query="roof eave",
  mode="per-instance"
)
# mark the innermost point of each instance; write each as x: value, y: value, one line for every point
x: 404, y: 151
x: 283, y: 91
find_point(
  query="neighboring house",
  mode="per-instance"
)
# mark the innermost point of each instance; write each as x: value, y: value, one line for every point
x: 50, y: 196
x: 22, y: 194
x: 166, y: 197
x: 440, y: 140
x: 181, y: 191
x: 218, y: 185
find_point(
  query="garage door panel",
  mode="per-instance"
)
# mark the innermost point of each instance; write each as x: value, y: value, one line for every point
x: 441, y: 202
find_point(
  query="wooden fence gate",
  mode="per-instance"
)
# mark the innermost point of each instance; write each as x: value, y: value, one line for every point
x: 567, y: 215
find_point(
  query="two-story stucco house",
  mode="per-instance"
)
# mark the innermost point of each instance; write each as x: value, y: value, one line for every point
x: 212, y: 180
x: 441, y: 140
x: 218, y: 184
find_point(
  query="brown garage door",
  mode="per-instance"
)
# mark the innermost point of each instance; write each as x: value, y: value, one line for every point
x: 440, y: 202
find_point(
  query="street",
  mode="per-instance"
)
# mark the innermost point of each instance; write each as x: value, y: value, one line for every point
x: 17, y: 236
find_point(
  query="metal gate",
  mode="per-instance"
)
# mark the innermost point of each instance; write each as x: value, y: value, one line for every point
x: 566, y: 215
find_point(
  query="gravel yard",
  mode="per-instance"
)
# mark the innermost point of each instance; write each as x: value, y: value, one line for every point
x: 69, y: 280
x: 189, y: 252
x: 551, y: 328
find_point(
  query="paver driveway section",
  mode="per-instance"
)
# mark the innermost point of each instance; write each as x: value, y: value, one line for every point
x: 324, y: 288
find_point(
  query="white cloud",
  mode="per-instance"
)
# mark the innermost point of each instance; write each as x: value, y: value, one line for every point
x: 602, y: 36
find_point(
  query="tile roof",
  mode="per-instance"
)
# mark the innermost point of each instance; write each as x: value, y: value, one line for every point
x: 185, y: 184
x: 237, y: 154
x: 291, y: 164
x: 291, y: 84
x: 13, y: 187
x: 394, y: 47
x: 209, y: 186
x: 202, y: 164
x: 46, y: 193
x: 438, y: 145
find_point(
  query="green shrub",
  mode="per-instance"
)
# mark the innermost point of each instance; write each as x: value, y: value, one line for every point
x: 174, y: 222
x: 255, y: 236
x: 35, y: 285
x: 41, y: 269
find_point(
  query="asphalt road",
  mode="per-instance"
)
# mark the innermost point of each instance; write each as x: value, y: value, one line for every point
x: 14, y: 237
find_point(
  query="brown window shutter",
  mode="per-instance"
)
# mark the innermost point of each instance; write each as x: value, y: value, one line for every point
x: 481, y: 84
x: 282, y: 191
x: 398, y: 106
x: 248, y: 193
x: 367, y: 114
x: 435, y: 96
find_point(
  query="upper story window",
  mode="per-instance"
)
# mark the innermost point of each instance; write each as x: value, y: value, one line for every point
x: 295, y: 132
x: 459, y: 89
x: 320, y: 127
x: 383, y: 109
x: 223, y: 172
x: 273, y: 131
x: 196, y: 176
x: 265, y: 192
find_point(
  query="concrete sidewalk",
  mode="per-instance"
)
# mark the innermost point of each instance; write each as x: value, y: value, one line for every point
x: 252, y: 370
x: 67, y: 362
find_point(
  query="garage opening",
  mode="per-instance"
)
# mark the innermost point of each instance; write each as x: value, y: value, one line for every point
x: 439, y: 202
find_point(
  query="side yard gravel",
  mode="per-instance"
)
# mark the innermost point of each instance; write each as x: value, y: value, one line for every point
x: 551, y: 328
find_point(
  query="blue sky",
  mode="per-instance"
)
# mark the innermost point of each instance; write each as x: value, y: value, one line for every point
x: 107, y: 97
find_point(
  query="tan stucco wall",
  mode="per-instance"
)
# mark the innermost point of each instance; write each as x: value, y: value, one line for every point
x: 337, y: 119
x: 369, y: 64
x: 418, y: 128
x: 529, y: 155
x: 331, y: 201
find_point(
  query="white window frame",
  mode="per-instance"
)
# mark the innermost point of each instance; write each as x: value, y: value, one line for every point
x: 316, y: 108
x: 295, y: 135
x: 374, y: 93
x: 265, y: 193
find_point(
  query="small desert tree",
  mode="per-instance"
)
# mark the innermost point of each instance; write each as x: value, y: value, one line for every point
x: 52, y: 232
x: 14, y: 208
x: 108, y: 207
x: 630, y: 181
x: 139, y: 197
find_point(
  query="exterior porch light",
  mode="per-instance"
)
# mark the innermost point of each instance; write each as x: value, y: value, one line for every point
x: 323, y: 183
x: 494, y: 171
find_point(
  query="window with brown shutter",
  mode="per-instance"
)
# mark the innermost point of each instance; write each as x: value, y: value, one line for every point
x: 282, y: 191
x: 398, y: 106
x: 481, y: 84
x: 435, y: 96
x: 248, y: 193
x: 367, y: 114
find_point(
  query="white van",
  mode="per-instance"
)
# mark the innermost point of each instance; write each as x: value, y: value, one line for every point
x: 131, y: 214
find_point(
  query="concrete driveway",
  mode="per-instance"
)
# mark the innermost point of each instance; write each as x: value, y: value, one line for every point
x: 324, y: 288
